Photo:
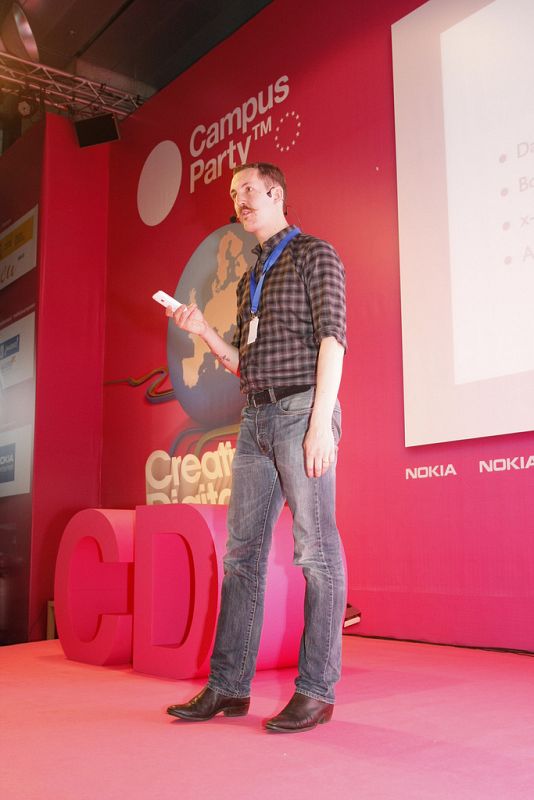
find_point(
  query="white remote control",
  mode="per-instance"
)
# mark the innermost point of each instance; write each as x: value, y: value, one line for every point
x: 166, y: 300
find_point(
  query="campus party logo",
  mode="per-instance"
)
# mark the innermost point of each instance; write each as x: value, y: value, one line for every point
x: 225, y: 143
x: 7, y: 463
x: 216, y: 147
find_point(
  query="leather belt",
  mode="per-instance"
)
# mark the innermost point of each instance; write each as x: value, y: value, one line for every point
x: 273, y: 394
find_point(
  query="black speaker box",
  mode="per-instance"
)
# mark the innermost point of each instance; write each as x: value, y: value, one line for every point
x: 97, y: 130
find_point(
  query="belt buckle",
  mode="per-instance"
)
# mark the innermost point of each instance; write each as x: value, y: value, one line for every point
x: 253, y: 395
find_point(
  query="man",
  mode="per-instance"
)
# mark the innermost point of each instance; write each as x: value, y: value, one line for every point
x: 288, y: 351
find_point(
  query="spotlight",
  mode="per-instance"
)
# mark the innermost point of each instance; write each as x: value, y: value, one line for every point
x: 26, y: 108
x: 17, y: 35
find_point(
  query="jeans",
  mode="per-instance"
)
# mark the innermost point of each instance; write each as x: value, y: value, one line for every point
x: 268, y: 468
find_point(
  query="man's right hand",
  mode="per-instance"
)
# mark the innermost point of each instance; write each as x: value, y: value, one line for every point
x: 189, y: 318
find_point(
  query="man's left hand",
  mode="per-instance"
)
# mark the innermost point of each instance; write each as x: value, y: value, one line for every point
x: 319, y: 450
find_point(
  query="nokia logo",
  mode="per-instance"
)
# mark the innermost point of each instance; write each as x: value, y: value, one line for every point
x: 436, y: 471
x: 506, y: 464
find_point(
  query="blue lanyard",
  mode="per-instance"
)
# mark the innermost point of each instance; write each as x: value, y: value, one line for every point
x: 272, y: 258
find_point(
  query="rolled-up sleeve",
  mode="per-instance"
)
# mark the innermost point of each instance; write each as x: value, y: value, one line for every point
x: 325, y: 281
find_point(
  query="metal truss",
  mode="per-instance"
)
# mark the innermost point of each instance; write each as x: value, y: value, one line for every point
x: 62, y: 92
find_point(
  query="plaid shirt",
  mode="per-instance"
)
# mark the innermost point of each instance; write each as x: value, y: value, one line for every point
x: 302, y: 302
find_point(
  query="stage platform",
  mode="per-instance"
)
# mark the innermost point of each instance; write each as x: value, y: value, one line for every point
x: 412, y: 722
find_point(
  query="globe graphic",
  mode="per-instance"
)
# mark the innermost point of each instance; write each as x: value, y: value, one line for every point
x: 206, y: 391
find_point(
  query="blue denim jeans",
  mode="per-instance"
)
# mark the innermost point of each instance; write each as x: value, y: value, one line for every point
x: 268, y: 468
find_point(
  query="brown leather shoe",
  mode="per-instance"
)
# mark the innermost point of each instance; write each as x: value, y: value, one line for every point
x: 302, y: 713
x: 208, y: 703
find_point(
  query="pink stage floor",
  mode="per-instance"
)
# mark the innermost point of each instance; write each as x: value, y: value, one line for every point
x: 412, y: 721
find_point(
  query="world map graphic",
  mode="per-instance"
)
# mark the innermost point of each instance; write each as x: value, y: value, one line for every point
x: 204, y: 389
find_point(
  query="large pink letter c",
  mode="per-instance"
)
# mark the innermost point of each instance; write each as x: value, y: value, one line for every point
x: 94, y: 587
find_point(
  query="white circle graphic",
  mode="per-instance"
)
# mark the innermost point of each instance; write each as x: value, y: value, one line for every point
x: 159, y: 183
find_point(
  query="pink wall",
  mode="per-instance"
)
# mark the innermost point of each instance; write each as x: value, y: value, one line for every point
x: 68, y: 423
x: 445, y: 559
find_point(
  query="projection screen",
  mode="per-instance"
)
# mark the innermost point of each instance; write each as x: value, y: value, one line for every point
x: 464, y: 120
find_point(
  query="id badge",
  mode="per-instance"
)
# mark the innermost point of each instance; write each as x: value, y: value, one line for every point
x: 253, y: 330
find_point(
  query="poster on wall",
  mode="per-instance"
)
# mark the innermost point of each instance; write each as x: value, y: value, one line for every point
x: 18, y: 248
x: 17, y: 405
x: 17, y: 352
x: 16, y: 447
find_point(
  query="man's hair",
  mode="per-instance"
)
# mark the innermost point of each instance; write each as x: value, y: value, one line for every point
x: 269, y: 173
